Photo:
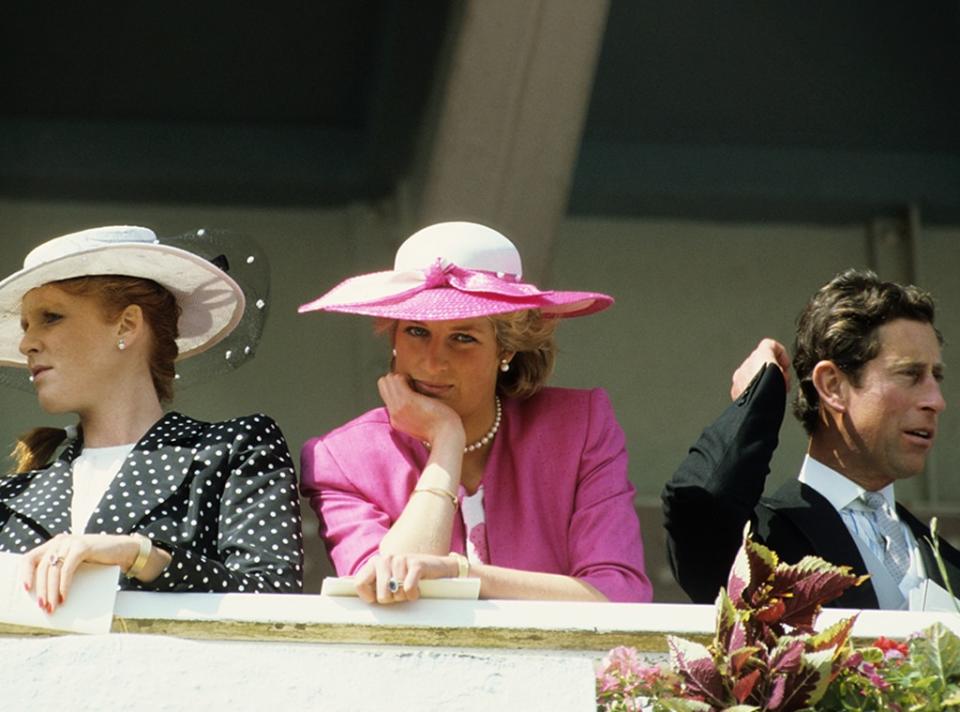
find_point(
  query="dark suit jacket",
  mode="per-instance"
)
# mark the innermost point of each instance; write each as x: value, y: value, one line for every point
x: 718, y: 488
x: 220, y: 497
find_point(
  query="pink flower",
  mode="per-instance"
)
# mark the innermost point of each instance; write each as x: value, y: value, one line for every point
x: 876, y: 679
x: 622, y: 660
x: 608, y: 682
x: 622, y: 672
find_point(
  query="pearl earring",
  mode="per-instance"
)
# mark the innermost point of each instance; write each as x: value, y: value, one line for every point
x: 504, y: 365
x: 394, y: 353
x: 121, y: 344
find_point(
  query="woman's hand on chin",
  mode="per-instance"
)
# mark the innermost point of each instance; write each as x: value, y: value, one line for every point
x: 417, y: 415
x: 48, y: 569
x: 392, y: 578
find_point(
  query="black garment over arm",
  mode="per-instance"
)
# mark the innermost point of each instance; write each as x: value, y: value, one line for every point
x: 716, y: 489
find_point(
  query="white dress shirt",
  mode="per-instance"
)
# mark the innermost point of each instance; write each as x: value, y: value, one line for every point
x: 844, y: 494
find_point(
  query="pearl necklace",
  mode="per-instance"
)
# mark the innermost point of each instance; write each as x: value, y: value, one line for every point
x: 489, y: 435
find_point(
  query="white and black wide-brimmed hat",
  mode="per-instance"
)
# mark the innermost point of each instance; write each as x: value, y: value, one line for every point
x: 211, y: 301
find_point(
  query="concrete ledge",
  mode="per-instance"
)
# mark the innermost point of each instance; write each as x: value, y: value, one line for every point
x: 527, y: 625
x: 537, y: 625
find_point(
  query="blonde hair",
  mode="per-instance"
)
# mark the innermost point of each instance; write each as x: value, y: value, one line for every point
x: 526, y: 333
x: 36, y: 447
x: 529, y: 334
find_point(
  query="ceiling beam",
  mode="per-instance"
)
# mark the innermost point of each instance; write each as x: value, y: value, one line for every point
x: 760, y: 183
x: 508, y: 119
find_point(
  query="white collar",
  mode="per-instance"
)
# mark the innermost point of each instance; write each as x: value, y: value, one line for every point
x: 839, y: 490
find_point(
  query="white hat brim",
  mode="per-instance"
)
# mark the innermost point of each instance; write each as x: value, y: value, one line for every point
x: 211, y: 302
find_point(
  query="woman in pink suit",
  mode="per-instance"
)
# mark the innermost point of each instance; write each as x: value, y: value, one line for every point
x: 473, y: 467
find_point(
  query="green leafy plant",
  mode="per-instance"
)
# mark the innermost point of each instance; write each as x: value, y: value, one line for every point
x: 921, y: 675
x: 765, y: 654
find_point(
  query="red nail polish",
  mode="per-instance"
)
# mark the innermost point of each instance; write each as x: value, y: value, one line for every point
x: 40, y: 603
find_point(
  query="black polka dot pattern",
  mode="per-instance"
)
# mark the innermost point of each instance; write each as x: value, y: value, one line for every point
x: 221, y: 498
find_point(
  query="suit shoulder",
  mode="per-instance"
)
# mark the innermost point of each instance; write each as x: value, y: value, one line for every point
x: 372, y: 424
x: 254, y: 421
x: 248, y: 422
x: 176, y: 427
x: 566, y: 416
x: 366, y: 444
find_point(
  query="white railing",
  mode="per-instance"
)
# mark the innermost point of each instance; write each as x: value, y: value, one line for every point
x: 252, y: 652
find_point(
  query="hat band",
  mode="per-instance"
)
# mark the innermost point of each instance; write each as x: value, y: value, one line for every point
x: 449, y: 274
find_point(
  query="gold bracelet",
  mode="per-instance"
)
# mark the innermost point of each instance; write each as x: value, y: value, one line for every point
x: 440, y: 492
x: 146, y: 546
x: 463, y: 564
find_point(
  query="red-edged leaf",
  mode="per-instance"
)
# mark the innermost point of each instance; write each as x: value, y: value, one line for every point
x: 811, y: 583
x: 727, y: 619
x: 804, y: 688
x: 787, y: 656
x: 832, y: 637
x: 738, y: 637
x: 744, y: 686
x: 753, y: 565
x: 763, y: 562
x: 773, y: 612
x: 738, y: 658
x: 776, y: 694
x: 739, y: 577
x: 694, y: 664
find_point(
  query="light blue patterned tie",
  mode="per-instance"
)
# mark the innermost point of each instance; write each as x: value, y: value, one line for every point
x: 896, y: 555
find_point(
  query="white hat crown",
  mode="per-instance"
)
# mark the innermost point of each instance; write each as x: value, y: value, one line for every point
x: 465, y: 244
x: 87, y: 240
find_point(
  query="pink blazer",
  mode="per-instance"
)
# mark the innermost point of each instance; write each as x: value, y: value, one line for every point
x: 556, y: 494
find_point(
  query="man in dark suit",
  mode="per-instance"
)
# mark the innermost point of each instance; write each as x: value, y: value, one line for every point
x: 867, y: 358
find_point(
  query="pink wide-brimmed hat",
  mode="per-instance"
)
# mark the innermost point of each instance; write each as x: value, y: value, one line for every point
x: 452, y: 270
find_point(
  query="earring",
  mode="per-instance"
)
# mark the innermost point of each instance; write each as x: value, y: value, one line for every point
x: 504, y: 365
x: 121, y: 344
x: 394, y: 353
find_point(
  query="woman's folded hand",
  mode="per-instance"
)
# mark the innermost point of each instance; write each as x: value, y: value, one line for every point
x: 391, y: 578
x: 48, y: 569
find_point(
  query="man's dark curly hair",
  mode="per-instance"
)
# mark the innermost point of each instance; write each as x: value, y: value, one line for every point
x: 840, y: 324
